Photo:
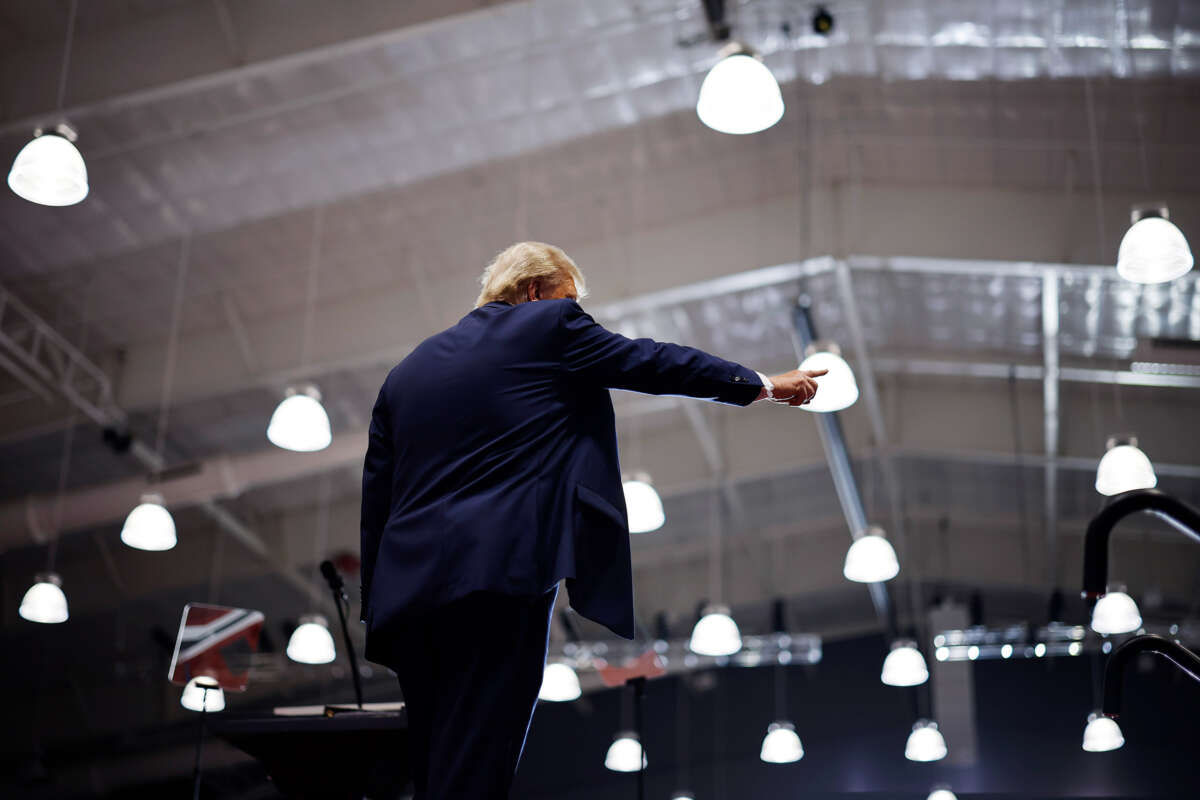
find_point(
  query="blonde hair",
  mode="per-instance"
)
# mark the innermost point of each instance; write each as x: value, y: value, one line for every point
x: 507, y: 277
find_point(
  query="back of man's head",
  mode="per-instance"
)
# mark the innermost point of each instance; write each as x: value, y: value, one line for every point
x: 508, y: 277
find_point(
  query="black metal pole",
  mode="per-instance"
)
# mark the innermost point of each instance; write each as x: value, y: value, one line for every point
x: 339, y: 588
x: 200, y: 746
x: 336, y: 585
x: 350, y: 651
x: 639, y: 690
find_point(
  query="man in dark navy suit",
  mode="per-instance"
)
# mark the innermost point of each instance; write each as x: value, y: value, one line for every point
x: 491, y: 474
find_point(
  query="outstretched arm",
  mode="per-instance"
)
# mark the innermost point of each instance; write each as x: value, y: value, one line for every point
x: 376, y: 494
x: 594, y: 353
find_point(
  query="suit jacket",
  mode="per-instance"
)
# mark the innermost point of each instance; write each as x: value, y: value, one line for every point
x: 492, y: 462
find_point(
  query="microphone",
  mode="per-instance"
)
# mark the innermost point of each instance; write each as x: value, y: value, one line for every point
x: 332, y: 577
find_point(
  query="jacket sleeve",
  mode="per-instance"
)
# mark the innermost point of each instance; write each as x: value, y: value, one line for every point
x: 595, y: 354
x: 376, y: 494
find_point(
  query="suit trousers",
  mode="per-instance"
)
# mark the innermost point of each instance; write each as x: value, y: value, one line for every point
x: 470, y: 672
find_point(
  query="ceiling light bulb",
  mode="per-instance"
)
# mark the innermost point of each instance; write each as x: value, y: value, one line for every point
x: 625, y: 753
x: 683, y: 795
x: 149, y: 526
x: 1116, y: 612
x: 941, y: 793
x: 1102, y: 734
x: 311, y: 642
x: 643, y: 505
x: 781, y: 745
x: 45, y: 601
x: 904, y: 665
x: 560, y: 684
x: 871, y: 558
x: 1124, y: 468
x: 715, y: 634
x: 925, y: 743
x: 49, y: 170
x: 739, y: 94
x: 300, y: 422
x: 836, y: 390
x: 203, y: 694
x: 1153, y: 250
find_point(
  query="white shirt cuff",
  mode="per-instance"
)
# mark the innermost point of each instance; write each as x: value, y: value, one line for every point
x: 766, y: 382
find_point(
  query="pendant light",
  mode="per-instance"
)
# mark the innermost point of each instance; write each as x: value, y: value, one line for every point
x: 1116, y: 612
x: 925, y: 743
x: 300, y: 422
x: 49, y: 170
x: 904, y: 665
x: 1124, y: 467
x: 149, y: 526
x: 715, y: 633
x: 836, y: 390
x: 311, y: 642
x: 871, y: 558
x: 1153, y: 250
x: 683, y: 795
x: 739, y: 95
x: 203, y: 694
x: 781, y: 745
x: 560, y: 683
x: 643, y: 505
x: 625, y: 754
x: 941, y: 793
x: 44, y: 601
x: 1102, y: 734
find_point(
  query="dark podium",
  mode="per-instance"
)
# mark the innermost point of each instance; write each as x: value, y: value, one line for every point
x: 348, y: 754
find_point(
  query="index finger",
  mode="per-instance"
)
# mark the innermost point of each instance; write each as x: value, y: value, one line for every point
x: 815, y: 373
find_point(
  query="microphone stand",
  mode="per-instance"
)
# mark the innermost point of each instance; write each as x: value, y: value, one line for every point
x: 639, y: 692
x: 206, y: 688
x: 337, y: 586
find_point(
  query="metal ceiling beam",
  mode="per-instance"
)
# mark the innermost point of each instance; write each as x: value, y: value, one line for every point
x: 38, y: 355
x: 838, y: 454
x: 1050, y: 375
x: 932, y: 367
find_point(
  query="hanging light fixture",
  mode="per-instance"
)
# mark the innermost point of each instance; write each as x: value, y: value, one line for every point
x: 781, y: 745
x: 1116, y: 612
x: 560, y: 684
x: 49, y: 169
x: 300, y: 422
x: 44, y: 601
x: 1124, y: 467
x: 1102, y: 734
x: 925, y: 743
x: 836, y: 390
x: 904, y: 665
x: 311, y: 642
x: 941, y: 793
x: 715, y: 633
x: 203, y: 694
x: 149, y: 526
x: 1153, y: 250
x: 683, y: 795
x: 739, y: 95
x: 871, y: 558
x: 643, y: 504
x: 625, y: 754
